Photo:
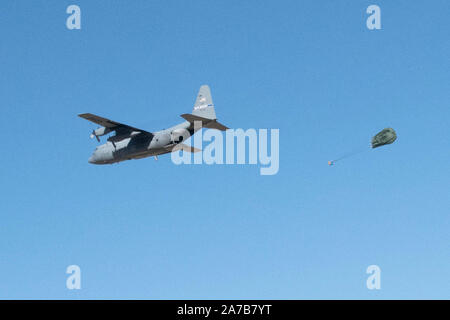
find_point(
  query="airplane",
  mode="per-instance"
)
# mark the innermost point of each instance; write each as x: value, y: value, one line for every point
x: 129, y: 142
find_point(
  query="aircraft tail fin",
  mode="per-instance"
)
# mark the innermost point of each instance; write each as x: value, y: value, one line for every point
x: 204, y: 106
x: 204, y: 111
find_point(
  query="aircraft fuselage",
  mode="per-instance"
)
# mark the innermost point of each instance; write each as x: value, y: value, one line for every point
x: 141, y: 145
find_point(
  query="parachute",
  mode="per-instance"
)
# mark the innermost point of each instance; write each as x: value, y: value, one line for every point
x: 385, y: 136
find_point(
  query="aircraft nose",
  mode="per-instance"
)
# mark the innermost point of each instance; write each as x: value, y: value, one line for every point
x: 91, y: 159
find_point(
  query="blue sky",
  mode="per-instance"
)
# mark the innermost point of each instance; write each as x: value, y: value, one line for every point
x: 151, y: 229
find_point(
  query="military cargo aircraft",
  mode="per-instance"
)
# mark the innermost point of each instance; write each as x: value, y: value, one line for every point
x: 128, y: 142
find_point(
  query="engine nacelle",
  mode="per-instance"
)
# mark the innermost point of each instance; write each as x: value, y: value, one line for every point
x: 160, y: 140
x: 101, y: 131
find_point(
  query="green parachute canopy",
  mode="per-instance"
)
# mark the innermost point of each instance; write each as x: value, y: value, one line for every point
x: 385, y: 136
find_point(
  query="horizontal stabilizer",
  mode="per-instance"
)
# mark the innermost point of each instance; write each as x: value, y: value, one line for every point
x: 206, y: 123
x: 216, y: 125
x: 185, y: 148
x: 191, y: 118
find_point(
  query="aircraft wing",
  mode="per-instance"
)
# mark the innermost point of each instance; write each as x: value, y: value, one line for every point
x: 113, y: 125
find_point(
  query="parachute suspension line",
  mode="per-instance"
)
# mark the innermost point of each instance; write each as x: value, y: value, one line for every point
x: 347, y: 155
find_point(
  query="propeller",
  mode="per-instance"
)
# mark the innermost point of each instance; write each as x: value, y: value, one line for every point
x: 94, y: 135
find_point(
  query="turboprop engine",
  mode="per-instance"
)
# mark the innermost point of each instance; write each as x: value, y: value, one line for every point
x: 161, y: 139
x: 100, y: 132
